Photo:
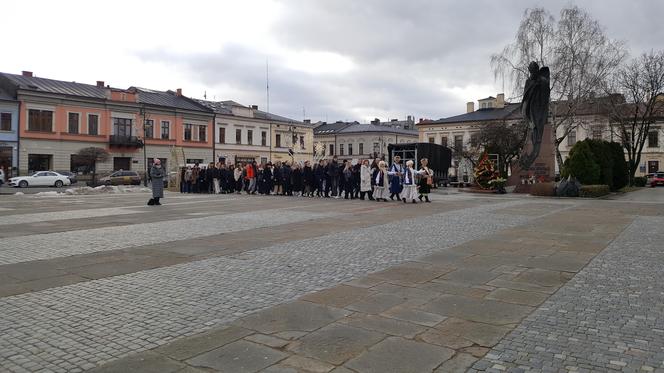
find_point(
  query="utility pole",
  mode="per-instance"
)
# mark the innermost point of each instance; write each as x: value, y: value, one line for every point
x: 145, y: 154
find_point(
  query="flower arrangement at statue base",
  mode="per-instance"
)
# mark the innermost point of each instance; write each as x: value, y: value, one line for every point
x: 498, y: 185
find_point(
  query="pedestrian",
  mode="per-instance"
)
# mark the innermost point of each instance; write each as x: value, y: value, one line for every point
x: 188, y: 179
x: 195, y: 172
x: 348, y: 181
x: 426, y: 179
x: 297, y: 185
x: 380, y: 182
x: 356, y: 180
x: 333, y: 172
x: 365, y: 180
x: 249, y: 178
x: 409, y: 192
x: 286, y: 179
x: 319, y: 178
x: 157, y: 174
x: 268, y: 180
x: 237, y: 176
x: 308, y: 179
x: 278, y: 178
x: 395, y: 175
x: 183, y: 171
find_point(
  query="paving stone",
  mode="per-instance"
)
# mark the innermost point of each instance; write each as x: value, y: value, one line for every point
x: 408, y: 274
x: 543, y: 277
x: 238, y: 357
x: 375, y: 304
x: 338, y: 296
x: 384, y: 325
x: 470, y: 276
x: 364, y: 282
x: 517, y: 297
x: 445, y: 339
x: 454, y: 288
x: 400, y: 355
x: 293, y: 316
x: 480, y: 310
x: 148, y: 362
x: 413, y: 315
x: 307, y: 364
x: 476, y: 351
x: 444, y: 257
x: 267, y: 340
x: 188, y: 347
x: 485, y: 335
x: 506, y: 281
x: 458, y: 364
x: 279, y: 369
x: 336, y: 343
x: 290, y: 335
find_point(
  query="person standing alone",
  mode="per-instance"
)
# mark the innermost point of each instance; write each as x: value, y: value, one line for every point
x: 157, y: 174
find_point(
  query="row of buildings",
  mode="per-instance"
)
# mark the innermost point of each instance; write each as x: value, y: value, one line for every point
x: 45, y: 122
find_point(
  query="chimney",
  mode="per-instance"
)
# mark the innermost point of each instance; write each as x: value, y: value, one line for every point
x: 470, y: 107
x: 307, y: 121
x: 100, y: 83
x: 27, y: 73
x: 500, y: 100
x: 255, y: 107
x: 375, y: 121
x: 179, y: 91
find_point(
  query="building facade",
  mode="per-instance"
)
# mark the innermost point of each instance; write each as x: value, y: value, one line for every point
x: 57, y: 119
x: 8, y: 134
x: 356, y: 140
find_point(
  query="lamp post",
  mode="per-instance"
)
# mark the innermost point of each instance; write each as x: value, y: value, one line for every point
x: 145, y: 154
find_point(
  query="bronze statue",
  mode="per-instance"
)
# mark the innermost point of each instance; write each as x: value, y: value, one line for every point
x: 535, y: 109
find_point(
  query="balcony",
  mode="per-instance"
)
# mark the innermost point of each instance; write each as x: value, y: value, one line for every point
x: 127, y: 141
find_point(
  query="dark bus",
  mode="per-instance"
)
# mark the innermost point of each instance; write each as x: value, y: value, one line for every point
x: 440, y: 157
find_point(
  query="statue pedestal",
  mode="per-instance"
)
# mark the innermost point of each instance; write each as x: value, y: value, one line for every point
x: 543, y: 168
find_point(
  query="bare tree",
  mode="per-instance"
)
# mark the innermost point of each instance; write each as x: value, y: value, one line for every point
x: 637, y: 104
x: 503, y: 139
x: 90, y: 156
x: 578, y: 53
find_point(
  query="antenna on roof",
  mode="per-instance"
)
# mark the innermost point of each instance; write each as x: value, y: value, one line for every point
x: 267, y: 83
x: 205, y: 95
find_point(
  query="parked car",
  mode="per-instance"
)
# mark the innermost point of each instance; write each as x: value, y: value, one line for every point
x: 41, y: 178
x: 656, y: 179
x: 70, y: 175
x: 121, y: 178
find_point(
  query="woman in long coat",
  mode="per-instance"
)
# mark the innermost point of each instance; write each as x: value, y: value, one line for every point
x: 157, y: 174
x: 365, y: 180
x: 380, y: 182
x: 426, y: 179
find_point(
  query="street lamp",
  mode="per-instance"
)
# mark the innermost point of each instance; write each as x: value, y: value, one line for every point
x: 145, y: 154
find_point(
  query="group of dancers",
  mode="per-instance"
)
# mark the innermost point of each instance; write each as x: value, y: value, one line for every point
x: 371, y: 179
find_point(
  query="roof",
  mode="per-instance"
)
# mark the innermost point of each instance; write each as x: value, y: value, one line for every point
x: 5, y: 96
x: 330, y: 128
x: 274, y: 118
x: 226, y: 108
x: 56, y: 86
x: 217, y: 106
x: 511, y: 110
x: 169, y: 99
x: 364, y: 127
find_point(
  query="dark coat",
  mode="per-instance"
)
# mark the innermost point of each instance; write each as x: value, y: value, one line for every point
x: 157, y: 174
x: 296, y: 180
x: 308, y: 176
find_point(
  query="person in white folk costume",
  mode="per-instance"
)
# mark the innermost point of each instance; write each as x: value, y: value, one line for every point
x: 426, y: 179
x: 380, y: 182
x: 409, y: 192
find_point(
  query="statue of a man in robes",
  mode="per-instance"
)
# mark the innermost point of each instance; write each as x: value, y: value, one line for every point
x: 535, y: 109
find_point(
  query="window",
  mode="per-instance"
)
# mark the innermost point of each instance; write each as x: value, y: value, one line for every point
x: 165, y: 129
x: 39, y: 162
x: 597, y: 133
x: 361, y: 146
x: 571, y: 138
x: 250, y: 137
x: 263, y: 138
x: 331, y: 149
x: 302, y: 142
x: 458, y: 142
x: 202, y: 133
x: 350, y: 149
x: 278, y: 140
x: 238, y: 136
x: 188, y: 129
x: 222, y: 135
x: 93, y: 124
x: 149, y: 129
x: 341, y: 149
x: 443, y: 141
x: 5, y: 121
x: 122, y: 127
x: 40, y: 120
x: 376, y: 147
x: 72, y: 120
x: 79, y: 164
x: 432, y: 140
x: 653, y: 137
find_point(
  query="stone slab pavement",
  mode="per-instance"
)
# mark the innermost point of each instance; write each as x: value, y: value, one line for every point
x: 452, y: 310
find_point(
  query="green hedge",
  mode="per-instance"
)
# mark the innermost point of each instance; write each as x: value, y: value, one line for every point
x: 592, y: 191
x: 595, y: 162
x: 640, y: 181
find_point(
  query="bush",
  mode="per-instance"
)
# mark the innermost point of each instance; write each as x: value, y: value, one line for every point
x: 640, y: 181
x: 620, y: 167
x: 593, y: 191
x: 581, y: 164
x: 543, y: 189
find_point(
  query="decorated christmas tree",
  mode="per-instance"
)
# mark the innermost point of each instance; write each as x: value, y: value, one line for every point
x: 484, y: 172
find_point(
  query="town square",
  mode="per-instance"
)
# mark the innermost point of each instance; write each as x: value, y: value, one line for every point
x: 290, y: 186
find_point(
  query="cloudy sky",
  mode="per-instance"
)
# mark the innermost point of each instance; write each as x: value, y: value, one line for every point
x: 328, y: 59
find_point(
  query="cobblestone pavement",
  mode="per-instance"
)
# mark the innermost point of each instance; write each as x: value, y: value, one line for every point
x: 610, y: 317
x: 63, y: 215
x: 248, y: 284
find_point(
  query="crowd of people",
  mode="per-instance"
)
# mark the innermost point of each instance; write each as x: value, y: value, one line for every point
x: 370, y: 179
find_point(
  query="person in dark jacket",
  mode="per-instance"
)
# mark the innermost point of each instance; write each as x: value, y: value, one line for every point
x: 308, y: 179
x: 286, y: 179
x: 332, y: 174
x: 278, y: 178
x: 266, y: 182
x: 348, y: 181
x: 356, y: 180
x: 296, y: 180
x: 319, y: 176
x: 157, y: 175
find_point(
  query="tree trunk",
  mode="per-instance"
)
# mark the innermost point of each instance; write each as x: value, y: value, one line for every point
x: 559, y: 159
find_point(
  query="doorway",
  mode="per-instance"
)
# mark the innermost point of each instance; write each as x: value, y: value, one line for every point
x: 6, y: 160
x: 121, y: 163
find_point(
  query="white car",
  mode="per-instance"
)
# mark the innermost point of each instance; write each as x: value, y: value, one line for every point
x: 41, y: 178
